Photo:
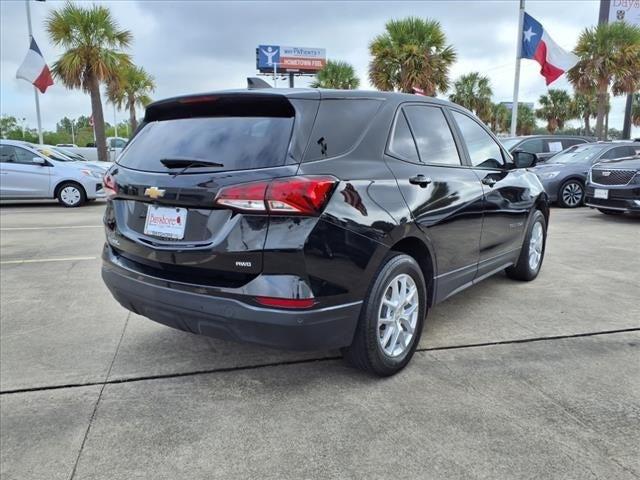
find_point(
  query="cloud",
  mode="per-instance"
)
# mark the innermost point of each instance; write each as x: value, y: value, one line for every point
x: 195, y: 46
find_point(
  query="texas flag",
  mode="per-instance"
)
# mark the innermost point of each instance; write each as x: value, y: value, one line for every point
x: 34, y: 69
x: 538, y: 45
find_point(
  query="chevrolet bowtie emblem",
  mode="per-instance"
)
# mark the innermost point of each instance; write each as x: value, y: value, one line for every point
x: 154, y: 192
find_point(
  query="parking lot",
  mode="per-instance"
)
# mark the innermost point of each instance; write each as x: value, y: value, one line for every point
x: 512, y: 380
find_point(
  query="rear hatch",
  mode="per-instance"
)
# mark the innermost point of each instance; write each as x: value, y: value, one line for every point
x: 163, y: 216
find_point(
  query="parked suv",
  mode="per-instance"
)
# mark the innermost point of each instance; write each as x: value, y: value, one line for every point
x: 614, y: 187
x: 544, y: 146
x: 313, y: 219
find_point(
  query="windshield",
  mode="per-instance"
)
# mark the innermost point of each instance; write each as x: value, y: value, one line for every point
x: 578, y: 154
x: 238, y: 143
x: 71, y: 155
x: 510, y: 142
x: 53, y: 154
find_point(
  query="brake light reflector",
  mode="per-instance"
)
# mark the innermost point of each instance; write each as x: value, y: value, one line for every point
x: 286, y: 302
x: 281, y: 196
x: 109, y: 185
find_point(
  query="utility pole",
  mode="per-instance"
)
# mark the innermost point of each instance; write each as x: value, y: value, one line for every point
x: 35, y: 90
x: 516, y: 80
x: 115, y: 121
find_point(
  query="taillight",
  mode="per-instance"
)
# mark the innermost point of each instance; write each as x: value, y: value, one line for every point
x: 282, y: 196
x: 109, y: 185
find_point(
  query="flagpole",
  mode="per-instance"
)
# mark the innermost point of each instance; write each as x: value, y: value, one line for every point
x: 35, y: 90
x: 516, y: 80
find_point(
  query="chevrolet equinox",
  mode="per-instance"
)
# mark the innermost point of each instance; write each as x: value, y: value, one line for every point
x: 315, y: 219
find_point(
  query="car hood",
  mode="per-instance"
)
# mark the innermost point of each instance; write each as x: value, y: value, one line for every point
x: 623, y: 163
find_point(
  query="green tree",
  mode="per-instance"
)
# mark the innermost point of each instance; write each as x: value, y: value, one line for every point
x: 411, y: 53
x: 500, y: 118
x: 92, y: 41
x: 585, y: 107
x: 130, y: 88
x: 556, y: 108
x: 526, y: 120
x: 609, y: 58
x: 635, y: 110
x: 337, y: 74
x: 473, y: 91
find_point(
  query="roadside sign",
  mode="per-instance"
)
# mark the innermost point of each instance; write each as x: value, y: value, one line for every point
x: 290, y: 59
x: 625, y: 11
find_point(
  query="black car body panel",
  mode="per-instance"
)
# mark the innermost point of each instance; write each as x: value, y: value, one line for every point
x: 620, y: 179
x: 461, y: 225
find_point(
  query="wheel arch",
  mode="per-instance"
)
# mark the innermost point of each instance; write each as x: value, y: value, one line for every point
x: 419, y: 250
x: 59, y: 185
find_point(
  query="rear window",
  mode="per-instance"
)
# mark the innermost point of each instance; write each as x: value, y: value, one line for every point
x: 238, y: 143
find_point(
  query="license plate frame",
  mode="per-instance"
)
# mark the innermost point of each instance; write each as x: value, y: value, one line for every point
x: 601, y: 193
x: 165, y: 222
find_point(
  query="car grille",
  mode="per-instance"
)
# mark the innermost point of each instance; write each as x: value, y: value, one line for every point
x: 611, y: 177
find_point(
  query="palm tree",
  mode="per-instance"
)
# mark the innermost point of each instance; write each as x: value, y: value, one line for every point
x: 473, y: 91
x: 412, y: 53
x: 500, y: 118
x: 609, y: 57
x: 635, y: 110
x: 585, y: 107
x: 526, y: 120
x: 336, y: 74
x: 92, y: 41
x: 129, y: 89
x: 556, y: 108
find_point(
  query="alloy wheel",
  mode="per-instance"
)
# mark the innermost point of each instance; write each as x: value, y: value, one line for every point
x: 536, y: 243
x: 572, y: 194
x: 398, y: 315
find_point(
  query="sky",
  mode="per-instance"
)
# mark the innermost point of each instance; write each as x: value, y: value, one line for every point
x: 202, y: 45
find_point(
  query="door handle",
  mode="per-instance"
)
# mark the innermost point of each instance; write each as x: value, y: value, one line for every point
x: 420, y: 180
x: 489, y: 181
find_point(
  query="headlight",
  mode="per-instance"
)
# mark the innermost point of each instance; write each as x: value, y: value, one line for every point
x: 91, y: 173
x: 548, y: 175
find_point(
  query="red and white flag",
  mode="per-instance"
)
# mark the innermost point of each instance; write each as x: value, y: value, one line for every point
x: 418, y: 91
x: 34, y: 69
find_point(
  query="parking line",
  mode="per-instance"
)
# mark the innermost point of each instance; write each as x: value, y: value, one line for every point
x: 42, y: 260
x: 64, y: 227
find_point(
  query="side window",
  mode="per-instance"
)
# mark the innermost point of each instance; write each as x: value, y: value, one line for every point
x: 8, y: 154
x: 570, y: 142
x: 535, y: 145
x: 484, y: 152
x: 433, y: 135
x: 554, y: 145
x: 117, y: 143
x: 340, y: 124
x: 19, y: 155
x: 617, y: 152
x: 402, y: 144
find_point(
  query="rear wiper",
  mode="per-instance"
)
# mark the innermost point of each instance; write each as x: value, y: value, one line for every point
x: 187, y: 163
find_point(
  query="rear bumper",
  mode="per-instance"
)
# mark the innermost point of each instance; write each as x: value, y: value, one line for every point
x: 202, y: 312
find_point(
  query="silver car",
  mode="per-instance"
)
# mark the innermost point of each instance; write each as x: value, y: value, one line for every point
x: 33, y: 172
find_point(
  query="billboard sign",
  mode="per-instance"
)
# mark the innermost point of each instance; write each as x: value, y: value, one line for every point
x: 625, y: 11
x: 290, y: 59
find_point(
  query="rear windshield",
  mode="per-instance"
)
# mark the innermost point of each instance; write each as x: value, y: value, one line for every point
x: 238, y: 143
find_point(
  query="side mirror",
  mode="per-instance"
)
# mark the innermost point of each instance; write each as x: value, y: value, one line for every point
x: 39, y: 161
x: 524, y: 159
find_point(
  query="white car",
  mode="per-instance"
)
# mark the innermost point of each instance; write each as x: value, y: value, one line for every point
x: 27, y: 172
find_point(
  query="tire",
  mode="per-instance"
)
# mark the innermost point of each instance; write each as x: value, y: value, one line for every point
x: 606, y: 211
x: 367, y: 352
x: 71, y: 195
x: 571, y: 194
x: 533, y: 247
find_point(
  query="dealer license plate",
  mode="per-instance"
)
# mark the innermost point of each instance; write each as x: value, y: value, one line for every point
x: 601, y: 193
x: 166, y: 222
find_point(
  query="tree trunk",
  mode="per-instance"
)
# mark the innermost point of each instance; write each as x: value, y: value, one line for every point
x: 98, y: 119
x: 587, y: 127
x: 132, y: 116
x: 602, y: 108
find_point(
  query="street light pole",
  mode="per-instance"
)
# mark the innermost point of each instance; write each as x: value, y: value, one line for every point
x: 35, y: 90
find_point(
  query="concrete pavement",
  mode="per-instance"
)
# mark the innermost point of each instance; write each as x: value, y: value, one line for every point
x: 548, y: 408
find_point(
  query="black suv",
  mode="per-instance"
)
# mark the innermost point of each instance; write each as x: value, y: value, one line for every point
x: 312, y: 219
x: 614, y: 187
